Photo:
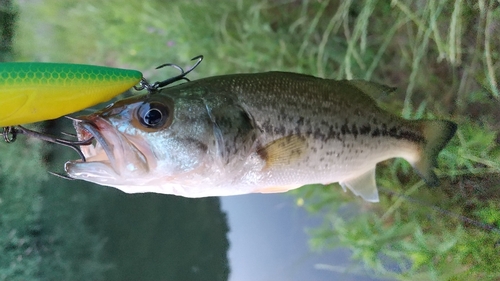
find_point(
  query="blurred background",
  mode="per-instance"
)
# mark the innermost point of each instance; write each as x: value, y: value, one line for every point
x: 442, y: 55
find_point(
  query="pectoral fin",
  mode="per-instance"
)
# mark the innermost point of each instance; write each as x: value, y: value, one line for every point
x: 364, y: 185
x: 283, y: 151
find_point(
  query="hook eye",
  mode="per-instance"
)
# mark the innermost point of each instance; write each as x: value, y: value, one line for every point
x: 9, y: 134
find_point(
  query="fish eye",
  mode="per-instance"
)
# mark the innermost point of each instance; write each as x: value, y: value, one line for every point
x: 153, y: 114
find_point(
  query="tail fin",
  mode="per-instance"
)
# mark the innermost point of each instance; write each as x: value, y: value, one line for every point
x: 437, y: 133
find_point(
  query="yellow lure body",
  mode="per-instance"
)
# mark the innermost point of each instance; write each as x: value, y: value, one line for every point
x: 32, y: 92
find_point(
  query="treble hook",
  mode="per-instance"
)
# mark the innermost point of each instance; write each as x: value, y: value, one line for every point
x: 10, y: 134
x: 151, y: 88
x: 180, y: 76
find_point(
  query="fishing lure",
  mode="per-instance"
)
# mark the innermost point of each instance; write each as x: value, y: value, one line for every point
x: 33, y: 92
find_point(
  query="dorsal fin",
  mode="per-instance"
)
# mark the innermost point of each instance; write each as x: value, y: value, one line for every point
x: 371, y: 88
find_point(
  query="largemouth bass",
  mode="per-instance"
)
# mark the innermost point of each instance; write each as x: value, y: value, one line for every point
x: 246, y: 133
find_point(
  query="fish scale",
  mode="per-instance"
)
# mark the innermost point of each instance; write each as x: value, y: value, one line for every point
x: 266, y: 132
x: 318, y: 113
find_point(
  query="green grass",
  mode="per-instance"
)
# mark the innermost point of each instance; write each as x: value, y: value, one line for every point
x: 442, y: 55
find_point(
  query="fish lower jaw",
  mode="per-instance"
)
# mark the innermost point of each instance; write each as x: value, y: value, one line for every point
x: 100, y: 170
x: 97, y: 172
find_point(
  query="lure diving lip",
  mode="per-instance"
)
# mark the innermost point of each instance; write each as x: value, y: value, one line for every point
x: 32, y: 91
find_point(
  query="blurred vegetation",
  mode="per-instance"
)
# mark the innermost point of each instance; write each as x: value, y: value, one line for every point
x: 443, y: 56
x: 7, y: 18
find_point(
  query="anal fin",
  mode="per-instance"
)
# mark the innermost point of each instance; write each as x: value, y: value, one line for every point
x: 363, y: 185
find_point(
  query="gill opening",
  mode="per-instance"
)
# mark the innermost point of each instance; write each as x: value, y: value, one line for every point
x: 219, y: 137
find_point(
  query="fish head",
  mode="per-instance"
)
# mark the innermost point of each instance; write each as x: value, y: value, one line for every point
x: 142, y: 141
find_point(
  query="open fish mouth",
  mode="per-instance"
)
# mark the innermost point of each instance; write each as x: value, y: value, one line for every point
x: 100, y: 149
x: 111, y: 157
